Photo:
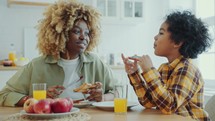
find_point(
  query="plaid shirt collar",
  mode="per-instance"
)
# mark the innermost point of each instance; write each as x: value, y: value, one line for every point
x: 174, y: 63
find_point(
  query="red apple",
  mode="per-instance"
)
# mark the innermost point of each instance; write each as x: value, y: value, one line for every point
x: 29, y: 105
x: 43, y: 106
x: 50, y: 100
x: 62, y: 105
x: 71, y: 102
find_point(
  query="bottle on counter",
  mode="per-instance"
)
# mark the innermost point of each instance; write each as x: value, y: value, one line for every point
x: 12, y: 54
x: 111, y: 59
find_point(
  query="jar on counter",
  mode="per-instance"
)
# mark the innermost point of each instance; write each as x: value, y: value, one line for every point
x: 7, y: 63
x: 111, y: 59
x: 12, y: 54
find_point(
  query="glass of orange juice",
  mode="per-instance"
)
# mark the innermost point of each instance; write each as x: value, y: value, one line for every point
x: 39, y: 91
x: 12, y: 57
x: 120, y: 98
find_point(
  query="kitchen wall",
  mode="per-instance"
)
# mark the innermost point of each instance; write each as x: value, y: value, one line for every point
x: 117, y: 37
x: 13, y: 20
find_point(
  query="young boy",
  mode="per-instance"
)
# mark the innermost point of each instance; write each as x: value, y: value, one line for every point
x: 177, y: 86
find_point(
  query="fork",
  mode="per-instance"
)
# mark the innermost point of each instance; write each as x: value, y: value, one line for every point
x: 81, y: 77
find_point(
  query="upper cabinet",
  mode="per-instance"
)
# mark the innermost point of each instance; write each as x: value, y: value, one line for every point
x: 132, y: 9
x: 113, y: 11
x: 121, y: 10
x: 108, y: 8
x: 29, y: 2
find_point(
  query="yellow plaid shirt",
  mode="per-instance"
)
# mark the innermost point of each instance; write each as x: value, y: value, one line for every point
x: 175, y: 88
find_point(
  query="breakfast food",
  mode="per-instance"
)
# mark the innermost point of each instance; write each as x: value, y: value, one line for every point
x: 85, y: 87
x: 135, y: 56
x: 78, y: 101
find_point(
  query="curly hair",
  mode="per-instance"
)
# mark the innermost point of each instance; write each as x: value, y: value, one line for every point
x: 59, y: 20
x: 191, y: 31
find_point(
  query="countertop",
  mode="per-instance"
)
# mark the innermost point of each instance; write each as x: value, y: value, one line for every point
x: 9, y: 68
x: 6, y: 68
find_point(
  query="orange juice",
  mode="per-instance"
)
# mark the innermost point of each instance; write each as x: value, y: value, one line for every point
x: 39, y: 94
x: 120, y: 105
x: 12, y: 57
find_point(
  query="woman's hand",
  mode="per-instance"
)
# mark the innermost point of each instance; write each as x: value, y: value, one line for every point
x: 54, y: 91
x: 130, y: 67
x: 96, y: 93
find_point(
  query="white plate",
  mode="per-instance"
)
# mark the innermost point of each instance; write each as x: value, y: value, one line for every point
x: 51, y: 115
x: 109, y: 105
x: 83, y: 104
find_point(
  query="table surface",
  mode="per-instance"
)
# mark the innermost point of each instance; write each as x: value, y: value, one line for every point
x: 136, y: 113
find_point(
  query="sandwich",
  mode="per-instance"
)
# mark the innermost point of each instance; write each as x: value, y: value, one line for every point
x: 85, y: 87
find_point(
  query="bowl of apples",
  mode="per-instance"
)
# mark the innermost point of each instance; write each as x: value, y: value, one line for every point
x: 48, y: 108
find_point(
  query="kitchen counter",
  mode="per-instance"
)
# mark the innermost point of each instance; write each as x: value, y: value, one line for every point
x: 6, y: 72
x: 8, y: 68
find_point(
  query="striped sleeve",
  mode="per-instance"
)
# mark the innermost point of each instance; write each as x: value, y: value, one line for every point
x: 138, y: 85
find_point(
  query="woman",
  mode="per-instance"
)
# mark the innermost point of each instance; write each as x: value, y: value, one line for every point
x: 177, y: 86
x: 67, y: 34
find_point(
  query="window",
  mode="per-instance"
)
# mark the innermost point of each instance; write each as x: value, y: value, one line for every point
x: 206, y: 61
x: 205, y: 9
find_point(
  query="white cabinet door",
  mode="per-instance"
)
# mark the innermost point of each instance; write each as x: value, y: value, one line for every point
x: 5, y: 76
x: 132, y: 9
x: 108, y: 8
x: 120, y: 10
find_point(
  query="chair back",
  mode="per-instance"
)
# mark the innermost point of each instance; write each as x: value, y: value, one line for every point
x: 210, y: 107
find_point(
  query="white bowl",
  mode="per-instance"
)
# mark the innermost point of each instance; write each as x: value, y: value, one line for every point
x: 21, y: 62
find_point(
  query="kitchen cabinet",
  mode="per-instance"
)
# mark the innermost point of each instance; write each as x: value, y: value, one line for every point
x: 5, y: 75
x: 113, y: 11
x: 132, y: 9
x: 108, y: 8
x: 120, y: 8
x: 6, y: 72
x: 27, y: 2
x: 121, y: 11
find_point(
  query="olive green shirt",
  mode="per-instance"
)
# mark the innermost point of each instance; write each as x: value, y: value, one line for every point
x: 45, y: 69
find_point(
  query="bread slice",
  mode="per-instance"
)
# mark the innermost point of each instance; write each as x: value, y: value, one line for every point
x: 85, y: 87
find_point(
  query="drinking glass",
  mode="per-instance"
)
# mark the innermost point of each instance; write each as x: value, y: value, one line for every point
x: 120, y: 98
x: 39, y: 91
